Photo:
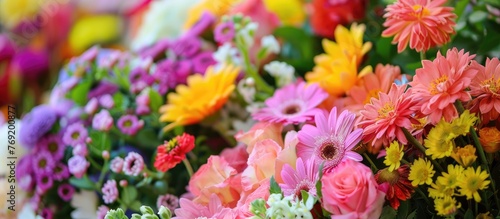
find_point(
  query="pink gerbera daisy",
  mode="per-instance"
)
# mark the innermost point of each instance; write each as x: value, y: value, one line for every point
x: 384, y: 117
x: 485, y: 87
x: 422, y: 23
x: 293, y: 104
x: 331, y: 140
x: 438, y: 84
x: 304, y: 178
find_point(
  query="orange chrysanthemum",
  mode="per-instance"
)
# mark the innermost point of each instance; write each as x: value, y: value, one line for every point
x: 485, y: 87
x: 202, y: 96
x: 422, y: 23
x: 173, y: 152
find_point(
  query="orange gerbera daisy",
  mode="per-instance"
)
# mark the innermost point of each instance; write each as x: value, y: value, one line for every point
x: 485, y: 87
x: 202, y: 96
x: 438, y: 84
x: 422, y: 23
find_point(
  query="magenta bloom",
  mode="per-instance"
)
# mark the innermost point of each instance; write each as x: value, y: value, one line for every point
x: 129, y: 124
x: 43, y: 162
x: 202, y: 61
x: 102, y: 121
x: 109, y: 191
x: 304, y: 178
x: 331, y: 140
x: 65, y: 191
x: 75, y: 134
x: 61, y: 172
x: 102, y: 211
x: 187, y: 47
x: 47, y: 213
x: 44, y: 182
x: 78, y: 165
x: 52, y: 144
x: 134, y: 164
x: 293, y: 104
x: 116, y: 165
x: 224, y: 32
x: 169, y: 201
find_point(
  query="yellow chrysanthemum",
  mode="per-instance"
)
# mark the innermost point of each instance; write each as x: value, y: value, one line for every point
x: 421, y: 172
x: 465, y: 156
x: 450, y: 178
x: 290, y: 12
x: 336, y: 71
x: 13, y: 12
x: 94, y: 29
x: 439, y: 141
x: 446, y: 206
x: 394, y: 156
x: 438, y: 190
x: 473, y: 181
x: 462, y: 124
x: 202, y: 96
x: 215, y: 7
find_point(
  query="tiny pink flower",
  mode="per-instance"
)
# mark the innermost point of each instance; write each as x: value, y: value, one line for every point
x: 80, y: 150
x: 91, y: 106
x: 78, y: 165
x: 133, y: 164
x: 102, y: 211
x: 107, y: 101
x: 130, y: 124
x: 109, y: 191
x: 116, y: 165
x: 102, y: 121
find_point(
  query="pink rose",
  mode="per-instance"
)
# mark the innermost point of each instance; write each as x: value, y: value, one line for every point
x: 236, y: 157
x: 261, y: 131
x: 243, y: 207
x: 261, y: 164
x: 350, y: 191
x: 216, y: 177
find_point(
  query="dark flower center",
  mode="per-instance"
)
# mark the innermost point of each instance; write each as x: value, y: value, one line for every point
x: 53, y: 147
x: 291, y: 110
x: 75, y: 135
x: 329, y: 151
x: 127, y: 123
x: 42, y: 163
x: 45, y: 179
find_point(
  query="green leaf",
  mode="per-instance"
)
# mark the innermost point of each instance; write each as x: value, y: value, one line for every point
x: 135, y: 205
x: 155, y: 100
x: 403, y: 210
x: 318, y: 184
x: 384, y: 47
x: 477, y: 16
x: 495, y: 3
x: 82, y: 183
x: 100, y: 142
x: 388, y: 213
x: 119, y: 101
x: 469, y: 214
x: 147, y: 137
x: 412, y: 215
x: 275, y: 188
x: 129, y: 194
x: 79, y: 93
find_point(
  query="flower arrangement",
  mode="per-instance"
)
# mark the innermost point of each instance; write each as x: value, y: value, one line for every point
x: 265, y: 129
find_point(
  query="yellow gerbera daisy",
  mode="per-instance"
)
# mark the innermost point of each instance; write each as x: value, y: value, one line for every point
x: 462, y: 124
x: 421, y: 172
x: 394, y: 156
x: 446, y: 206
x: 450, y: 178
x: 202, y: 96
x: 439, y: 141
x: 465, y: 156
x: 473, y: 181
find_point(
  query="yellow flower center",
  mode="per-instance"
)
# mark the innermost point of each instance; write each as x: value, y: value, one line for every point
x: 438, y: 85
x: 370, y: 94
x: 385, y: 111
x: 420, y: 11
x: 53, y: 147
x: 492, y: 85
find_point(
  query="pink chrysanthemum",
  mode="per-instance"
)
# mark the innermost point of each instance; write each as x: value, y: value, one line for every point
x: 438, y: 84
x: 293, y: 104
x: 384, y: 117
x: 422, y: 23
x: 485, y: 88
x: 304, y: 178
x: 331, y: 140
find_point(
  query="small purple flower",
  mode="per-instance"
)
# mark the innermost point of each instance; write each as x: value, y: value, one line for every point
x: 89, y: 55
x: 43, y: 162
x: 109, y: 191
x: 107, y: 101
x: 61, y: 172
x: 102, y: 211
x: 62, y: 106
x: 52, y: 144
x: 187, y: 47
x: 102, y: 121
x: 202, y: 61
x: 142, y: 101
x: 169, y: 201
x: 47, y: 213
x: 171, y: 73
x: 133, y: 164
x: 75, y: 134
x: 130, y: 124
x: 224, y: 32
x: 78, y: 166
x: 35, y: 124
x: 103, y: 88
x: 116, y: 165
x: 80, y: 150
x: 44, y: 182
x: 65, y: 191
x: 205, y: 21
x: 108, y: 61
x: 91, y: 106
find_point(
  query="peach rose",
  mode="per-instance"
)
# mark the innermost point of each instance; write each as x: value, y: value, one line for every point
x: 236, y: 157
x: 287, y: 156
x: 350, y: 191
x: 216, y: 177
x: 261, y: 131
x: 243, y: 207
x: 261, y: 164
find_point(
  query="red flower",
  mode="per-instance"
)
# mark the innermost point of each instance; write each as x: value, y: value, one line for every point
x: 173, y: 152
x: 400, y: 187
x: 328, y: 14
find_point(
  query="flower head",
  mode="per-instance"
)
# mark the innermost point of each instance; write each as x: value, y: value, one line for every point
x: 65, y: 191
x: 44, y: 182
x: 78, y: 165
x: 464, y: 156
x: 169, y: 201
x: 173, y: 152
x: 450, y: 178
x: 283, y: 73
x: 102, y: 121
x: 133, y: 164
x: 440, y: 83
x: 102, y: 211
x: 129, y: 124
x: 439, y: 141
x: 116, y: 165
x: 490, y: 139
x: 52, y: 144
x: 35, y: 124
x: 400, y: 188
x: 422, y: 23
x: 485, y: 88
x: 331, y: 141
x: 473, y: 181
x: 60, y: 172
x: 421, y: 172
x: 75, y: 134
x: 109, y: 191
x: 303, y: 178
x: 394, y: 155
x: 224, y: 32
x: 446, y: 206
x: 293, y: 104
x: 43, y: 162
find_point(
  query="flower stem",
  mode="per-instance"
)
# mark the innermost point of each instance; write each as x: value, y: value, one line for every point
x: 482, y: 155
x: 104, y: 169
x: 370, y: 161
x: 250, y: 70
x: 422, y: 55
x: 419, y: 146
x: 188, y: 167
x: 424, y: 196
